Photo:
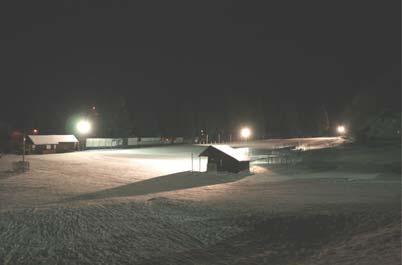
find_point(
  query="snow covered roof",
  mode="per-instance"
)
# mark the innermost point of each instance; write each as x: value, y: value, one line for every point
x: 227, y: 150
x: 52, y: 139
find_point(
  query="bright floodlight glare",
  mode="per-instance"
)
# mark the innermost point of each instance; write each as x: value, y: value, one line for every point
x: 245, y: 132
x: 341, y: 129
x: 83, y: 127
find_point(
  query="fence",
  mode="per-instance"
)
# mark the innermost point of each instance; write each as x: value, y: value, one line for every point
x: 281, y: 156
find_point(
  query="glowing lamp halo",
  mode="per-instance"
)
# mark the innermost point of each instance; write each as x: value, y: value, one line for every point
x: 341, y: 129
x: 83, y: 127
x: 245, y: 132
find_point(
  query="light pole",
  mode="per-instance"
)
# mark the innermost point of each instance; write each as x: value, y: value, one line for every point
x: 22, y: 165
x: 23, y: 147
x: 83, y: 128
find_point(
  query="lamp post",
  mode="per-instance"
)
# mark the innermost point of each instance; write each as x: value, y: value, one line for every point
x: 22, y: 165
x: 83, y: 128
x: 23, y: 147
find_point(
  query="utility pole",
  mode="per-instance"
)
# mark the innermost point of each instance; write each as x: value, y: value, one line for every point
x: 22, y: 164
x: 23, y: 147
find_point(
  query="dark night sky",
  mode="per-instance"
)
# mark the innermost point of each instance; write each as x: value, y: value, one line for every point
x: 60, y: 57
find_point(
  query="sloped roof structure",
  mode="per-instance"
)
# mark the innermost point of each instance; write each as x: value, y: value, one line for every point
x: 52, y: 139
x: 226, y: 150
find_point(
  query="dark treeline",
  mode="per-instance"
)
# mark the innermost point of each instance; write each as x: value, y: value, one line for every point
x: 271, y: 113
x: 221, y: 115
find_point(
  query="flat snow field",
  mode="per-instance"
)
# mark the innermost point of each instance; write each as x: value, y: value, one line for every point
x: 340, y: 205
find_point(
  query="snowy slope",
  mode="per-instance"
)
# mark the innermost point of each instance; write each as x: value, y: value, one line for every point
x: 143, y: 206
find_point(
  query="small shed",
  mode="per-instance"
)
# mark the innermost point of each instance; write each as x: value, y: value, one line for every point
x: 225, y: 158
x: 45, y: 144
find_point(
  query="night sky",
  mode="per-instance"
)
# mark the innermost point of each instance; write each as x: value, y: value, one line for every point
x: 218, y: 61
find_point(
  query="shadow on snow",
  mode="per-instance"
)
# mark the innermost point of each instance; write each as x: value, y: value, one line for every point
x: 171, y: 182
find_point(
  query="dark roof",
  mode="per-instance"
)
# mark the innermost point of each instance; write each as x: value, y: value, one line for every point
x: 226, y: 150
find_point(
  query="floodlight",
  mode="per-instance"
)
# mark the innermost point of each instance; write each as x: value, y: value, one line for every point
x: 83, y: 127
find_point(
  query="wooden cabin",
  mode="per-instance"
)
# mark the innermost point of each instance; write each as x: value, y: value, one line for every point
x: 46, y: 144
x: 225, y: 158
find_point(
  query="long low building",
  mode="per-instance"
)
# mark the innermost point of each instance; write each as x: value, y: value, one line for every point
x: 100, y: 143
x: 46, y: 144
x: 104, y: 142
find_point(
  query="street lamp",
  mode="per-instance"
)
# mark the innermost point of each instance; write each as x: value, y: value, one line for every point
x: 341, y: 129
x: 83, y: 127
x: 245, y: 133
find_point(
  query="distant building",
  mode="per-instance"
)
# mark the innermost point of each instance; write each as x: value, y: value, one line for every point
x: 225, y: 158
x: 46, y: 144
x: 93, y: 143
x: 131, y: 142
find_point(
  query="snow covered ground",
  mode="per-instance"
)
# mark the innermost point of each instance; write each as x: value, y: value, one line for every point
x: 340, y: 205
x: 301, y: 143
